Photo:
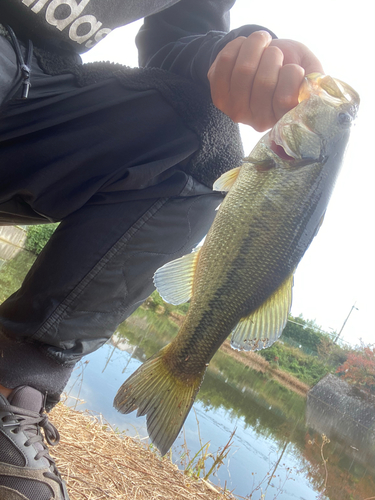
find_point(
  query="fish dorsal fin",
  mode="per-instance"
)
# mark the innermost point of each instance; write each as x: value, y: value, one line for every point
x: 174, y: 280
x: 226, y: 181
x: 264, y: 325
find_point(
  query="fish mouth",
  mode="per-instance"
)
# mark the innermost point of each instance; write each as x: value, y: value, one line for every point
x: 285, y: 141
x: 278, y: 145
x: 329, y: 89
x: 279, y: 150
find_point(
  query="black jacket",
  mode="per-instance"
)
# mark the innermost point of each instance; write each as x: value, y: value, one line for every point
x: 183, y: 36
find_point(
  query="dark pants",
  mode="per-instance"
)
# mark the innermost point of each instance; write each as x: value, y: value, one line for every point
x: 107, y: 163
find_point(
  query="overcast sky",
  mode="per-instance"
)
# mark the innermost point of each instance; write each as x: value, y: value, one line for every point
x: 338, y: 269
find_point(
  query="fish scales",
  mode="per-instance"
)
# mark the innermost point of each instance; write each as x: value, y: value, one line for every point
x: 241, y: 279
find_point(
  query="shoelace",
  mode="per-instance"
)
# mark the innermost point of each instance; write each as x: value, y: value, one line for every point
x: 31, y: 422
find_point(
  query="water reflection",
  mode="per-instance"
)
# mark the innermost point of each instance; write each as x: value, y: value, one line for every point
x: 278, y: 449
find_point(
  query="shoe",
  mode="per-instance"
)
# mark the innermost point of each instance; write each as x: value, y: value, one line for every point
x: 27, y: 472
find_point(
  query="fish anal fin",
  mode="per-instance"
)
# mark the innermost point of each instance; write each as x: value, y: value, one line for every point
x: 264, y: 325
x: 174, y: 280
x: 226, y: 181
x: 163, y: 397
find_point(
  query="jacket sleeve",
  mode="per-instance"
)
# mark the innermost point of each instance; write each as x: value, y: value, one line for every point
x: 186, y: 38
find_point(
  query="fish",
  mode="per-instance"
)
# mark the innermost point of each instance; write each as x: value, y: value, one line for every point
x: 240, y: 280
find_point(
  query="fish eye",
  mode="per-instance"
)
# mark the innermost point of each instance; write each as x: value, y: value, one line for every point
x: 344, y: 119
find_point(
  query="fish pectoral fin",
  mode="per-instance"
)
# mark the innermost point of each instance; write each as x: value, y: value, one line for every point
x: 264, y: 325
x: 226, y: 181
x: 174, y: 280
x: 163, y: 397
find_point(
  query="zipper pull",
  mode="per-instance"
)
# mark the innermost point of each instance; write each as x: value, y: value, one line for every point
x: 26, y: 81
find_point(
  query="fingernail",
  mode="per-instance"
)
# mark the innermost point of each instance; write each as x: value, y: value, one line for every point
x: 265, y: 33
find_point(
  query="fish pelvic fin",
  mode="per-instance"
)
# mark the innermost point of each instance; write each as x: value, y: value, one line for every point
x: 165, y: 398
x: 265, y: 325
x: 174, y: 280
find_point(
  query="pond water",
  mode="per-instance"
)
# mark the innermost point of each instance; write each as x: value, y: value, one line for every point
x: 273, y: 451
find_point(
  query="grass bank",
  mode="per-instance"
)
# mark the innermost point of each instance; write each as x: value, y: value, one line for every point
x: 258, y: 363
x: 98, y: 463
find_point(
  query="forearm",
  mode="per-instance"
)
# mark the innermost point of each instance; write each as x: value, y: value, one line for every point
x: 186, y: 38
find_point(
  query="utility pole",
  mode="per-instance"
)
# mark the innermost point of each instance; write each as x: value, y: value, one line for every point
x: 346, y: 319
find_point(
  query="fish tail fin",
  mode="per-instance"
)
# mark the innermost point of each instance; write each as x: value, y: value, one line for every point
x: 158, y: 393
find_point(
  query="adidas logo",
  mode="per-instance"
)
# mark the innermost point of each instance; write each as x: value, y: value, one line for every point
x: 66, y: 15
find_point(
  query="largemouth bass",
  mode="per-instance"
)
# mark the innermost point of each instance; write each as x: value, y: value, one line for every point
x: 241, y: 279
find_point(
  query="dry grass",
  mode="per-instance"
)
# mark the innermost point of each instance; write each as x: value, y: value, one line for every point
x: 98, y: 463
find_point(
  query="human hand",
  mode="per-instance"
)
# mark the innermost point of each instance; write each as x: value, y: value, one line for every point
x: 256, y: 80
